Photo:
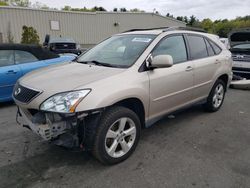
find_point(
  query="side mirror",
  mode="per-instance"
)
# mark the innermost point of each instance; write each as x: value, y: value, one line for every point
x: 162, y: 61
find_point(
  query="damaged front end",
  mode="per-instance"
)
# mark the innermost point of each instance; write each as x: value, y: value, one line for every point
x: 67, y: 130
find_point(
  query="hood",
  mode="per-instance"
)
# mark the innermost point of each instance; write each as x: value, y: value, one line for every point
x: 237, y: 37
x: 66, y: 77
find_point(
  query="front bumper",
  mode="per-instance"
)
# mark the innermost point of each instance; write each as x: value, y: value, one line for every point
x: 243, y: 72
x: 74, y: 130
x: 241, y: 68
x: 60, y: 129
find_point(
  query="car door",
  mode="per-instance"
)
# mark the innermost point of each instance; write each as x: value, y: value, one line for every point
x: 205, y: 62
x: 9, y: 74
x: 171, y: 88
x: 27, y: 61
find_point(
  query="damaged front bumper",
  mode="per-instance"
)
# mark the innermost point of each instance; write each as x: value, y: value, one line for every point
x: 67, y: 130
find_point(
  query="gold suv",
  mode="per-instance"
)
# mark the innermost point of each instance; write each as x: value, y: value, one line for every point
x: 101, y: 101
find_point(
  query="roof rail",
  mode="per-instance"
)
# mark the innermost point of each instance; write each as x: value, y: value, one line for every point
x: 185, y: 28
x: 165, y: 29
x: 146, y: 29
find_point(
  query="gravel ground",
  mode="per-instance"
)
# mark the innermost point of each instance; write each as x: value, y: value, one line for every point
x: 191, y: 149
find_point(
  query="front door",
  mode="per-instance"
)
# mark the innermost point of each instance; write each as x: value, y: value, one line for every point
x: 171, y: 88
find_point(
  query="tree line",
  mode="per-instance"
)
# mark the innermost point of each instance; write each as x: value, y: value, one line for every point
x: 219, y: 27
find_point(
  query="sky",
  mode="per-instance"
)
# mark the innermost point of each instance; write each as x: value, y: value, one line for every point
x: 213, y: 9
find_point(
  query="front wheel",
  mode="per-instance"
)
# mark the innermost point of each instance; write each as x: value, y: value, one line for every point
x: 117, y: 135
x: 216, y: 96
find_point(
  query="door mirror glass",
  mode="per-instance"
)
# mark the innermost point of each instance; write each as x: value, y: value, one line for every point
x: 162, y: 61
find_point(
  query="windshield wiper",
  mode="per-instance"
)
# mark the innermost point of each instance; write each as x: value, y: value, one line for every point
x: 97, y: 63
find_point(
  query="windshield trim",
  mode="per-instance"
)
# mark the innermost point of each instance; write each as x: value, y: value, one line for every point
x: 154, y: 36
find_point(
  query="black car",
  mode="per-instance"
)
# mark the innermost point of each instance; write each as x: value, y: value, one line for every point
x: 61, y: 45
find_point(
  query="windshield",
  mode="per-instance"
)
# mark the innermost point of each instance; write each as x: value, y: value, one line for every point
x: 117, y: 51
x: 242, y: 46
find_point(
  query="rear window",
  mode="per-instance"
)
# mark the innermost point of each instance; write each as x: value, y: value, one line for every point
x: 216, y: 48
x: 197, y: 46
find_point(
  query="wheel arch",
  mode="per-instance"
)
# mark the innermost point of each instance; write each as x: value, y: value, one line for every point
x: 134, y: 104
x: 224, y: 78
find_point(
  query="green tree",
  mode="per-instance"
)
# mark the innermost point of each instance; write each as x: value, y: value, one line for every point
x: 123, y: 10
x: 207, y: 25
x: 98, y: 8
x: 180, y: 18
x: 136, y: 10
x: 21, y: 3
x: 185, y: 19
x: 66, y: 8
x: 192, y: 21
x: 3, y: 3
x: 29, y: 36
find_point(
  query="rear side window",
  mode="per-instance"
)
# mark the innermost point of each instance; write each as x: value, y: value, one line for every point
x: 174, y: 46
x: 24, y: 57
x: 6, y: 58
x: 216, y: 48
x: 197, y: 46
x: 209, y: 48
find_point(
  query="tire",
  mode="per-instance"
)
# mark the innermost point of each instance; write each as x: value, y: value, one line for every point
x: 117, y: 135
x: 216, y: 97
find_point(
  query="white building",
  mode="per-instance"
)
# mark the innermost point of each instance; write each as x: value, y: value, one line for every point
x: 86, y: 28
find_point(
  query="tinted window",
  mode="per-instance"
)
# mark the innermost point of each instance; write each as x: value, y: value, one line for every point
x: 216, y: 48
x: 6, y: 57
x: 198, y: 47
x: 209, y: 48
x: 174, y: 46
x: 24, y: 57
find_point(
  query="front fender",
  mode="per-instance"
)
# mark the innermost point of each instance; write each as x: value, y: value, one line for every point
x: 98, y: 100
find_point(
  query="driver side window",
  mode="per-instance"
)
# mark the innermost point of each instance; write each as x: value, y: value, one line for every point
x: 173, y: 46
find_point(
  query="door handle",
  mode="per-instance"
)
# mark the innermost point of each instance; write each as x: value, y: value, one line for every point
x: 189, y: 68
x: 217, y: 61
x: 11, y: 72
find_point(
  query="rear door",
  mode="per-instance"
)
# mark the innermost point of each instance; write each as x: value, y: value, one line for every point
x: 9, y: 74
x: 206, y: 63
x: 171, y: 87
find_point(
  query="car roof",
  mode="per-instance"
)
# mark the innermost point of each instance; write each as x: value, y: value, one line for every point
x: 36, y: 50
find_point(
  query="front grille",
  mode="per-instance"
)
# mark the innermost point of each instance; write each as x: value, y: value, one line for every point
x: 239, y: 57
x: 65, y: 46
x: 24, y: 94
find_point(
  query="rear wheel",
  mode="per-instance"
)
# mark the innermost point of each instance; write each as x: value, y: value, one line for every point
x: 117, y: 135
x: 216, y: 96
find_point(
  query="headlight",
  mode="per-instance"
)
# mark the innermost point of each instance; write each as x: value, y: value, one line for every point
x: 64, y: 102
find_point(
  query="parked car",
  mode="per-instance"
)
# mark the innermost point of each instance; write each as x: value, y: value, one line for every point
x: 240, y: 47
x: 62, y: 45
x: 125, y: 83
x: 17, y: 60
